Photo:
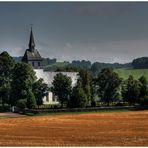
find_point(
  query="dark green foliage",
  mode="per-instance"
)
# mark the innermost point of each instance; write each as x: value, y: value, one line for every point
x: 40, y: 89
x: 23, y: 79
x: 140, y: 62
x: 82, y: 64
x: 31, y: 102
x: 131, y: 90
x: 143, y: 87
x: 48, y: 61
x: 97, y: 67
x: 21, y: 103
x: 62, y: 87
x: 85, y: 78
x: 143, y: 101
x: 6, y: 66
x: 93, y: 103
x: 78, y: 97
x: 108, y: 85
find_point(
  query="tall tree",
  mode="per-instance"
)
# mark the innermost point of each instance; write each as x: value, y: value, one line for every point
x: 40, y: 89
x: 130, y: 90
x: 61, y: 87
x: 86, y: 79
x: 31, y: 102
x: 108, y: 85
x: 78, y: 97
x: 143, y: 87
x: 22, y: 82
x: 6, y: 66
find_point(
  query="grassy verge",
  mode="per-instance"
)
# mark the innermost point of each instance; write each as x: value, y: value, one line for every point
x: 67, y: 113
x: 136, y: 73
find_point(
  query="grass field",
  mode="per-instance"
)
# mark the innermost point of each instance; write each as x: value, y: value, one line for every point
x: 125, y: 72
x: 58, y: 64
x: 93, y: 129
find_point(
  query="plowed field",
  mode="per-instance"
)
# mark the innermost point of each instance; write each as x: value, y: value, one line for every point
x: 93, y: 129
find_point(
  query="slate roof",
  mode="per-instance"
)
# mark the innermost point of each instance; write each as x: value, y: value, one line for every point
x: 31, y: 56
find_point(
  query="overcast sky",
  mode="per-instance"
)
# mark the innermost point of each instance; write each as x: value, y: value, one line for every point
x: 99, y: 31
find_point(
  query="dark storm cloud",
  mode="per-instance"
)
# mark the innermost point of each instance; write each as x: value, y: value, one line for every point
x: 97, y: 31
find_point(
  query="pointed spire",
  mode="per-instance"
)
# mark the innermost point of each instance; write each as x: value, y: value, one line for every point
x: 31, y: 41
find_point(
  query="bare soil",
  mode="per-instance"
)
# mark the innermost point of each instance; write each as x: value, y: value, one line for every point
x: 93, y: 129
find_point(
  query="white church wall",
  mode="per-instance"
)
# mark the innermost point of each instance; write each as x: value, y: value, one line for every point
x: 49, y: 99
x: 48, y: 78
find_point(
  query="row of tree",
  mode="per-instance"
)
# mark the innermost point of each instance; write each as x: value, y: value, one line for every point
x: 18, y: 84
x: 20, y: 87
x: 108, y: 87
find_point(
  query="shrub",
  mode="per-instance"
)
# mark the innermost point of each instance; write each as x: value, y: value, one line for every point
x: 93, y: 103
x: 143, y: 101
x: 21, y: 103
x: 31, y: 102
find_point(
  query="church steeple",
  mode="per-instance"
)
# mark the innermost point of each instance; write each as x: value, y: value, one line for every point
x: 31, y: 41
x: 32, y: 56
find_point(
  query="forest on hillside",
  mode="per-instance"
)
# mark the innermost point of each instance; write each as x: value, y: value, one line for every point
x: 94, y: 68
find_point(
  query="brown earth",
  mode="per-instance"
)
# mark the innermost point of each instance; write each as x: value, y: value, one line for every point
x: 93, y: 129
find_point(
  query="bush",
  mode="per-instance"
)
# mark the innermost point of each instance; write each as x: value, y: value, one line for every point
x: 21, y: 103
x: 143, y: 101
x: 31, y: 102
x: 93, y: 103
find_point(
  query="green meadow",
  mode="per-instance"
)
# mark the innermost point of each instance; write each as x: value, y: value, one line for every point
x: 137, y: 73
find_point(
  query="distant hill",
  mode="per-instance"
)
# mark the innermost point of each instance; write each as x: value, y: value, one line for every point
x: 95, y: 68
x: 136, y: 73
x: 17, y: 59
x: 140, y: 63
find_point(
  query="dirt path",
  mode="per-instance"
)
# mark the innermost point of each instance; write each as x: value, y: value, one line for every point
x: 94, y: 129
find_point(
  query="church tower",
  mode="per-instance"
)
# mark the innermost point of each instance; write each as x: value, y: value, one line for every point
x: 32, y: 55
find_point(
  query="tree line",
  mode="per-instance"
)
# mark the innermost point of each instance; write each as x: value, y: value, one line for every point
x: 140, y: 63
x: 20, y: 87
x: 108, y: 87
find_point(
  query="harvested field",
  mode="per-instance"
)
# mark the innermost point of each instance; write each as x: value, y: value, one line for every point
x: 93, y: 129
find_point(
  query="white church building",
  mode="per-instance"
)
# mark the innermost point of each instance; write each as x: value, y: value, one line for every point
x: 33, y: 57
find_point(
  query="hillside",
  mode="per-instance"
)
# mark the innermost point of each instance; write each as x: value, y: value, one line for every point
x: 125, y: 72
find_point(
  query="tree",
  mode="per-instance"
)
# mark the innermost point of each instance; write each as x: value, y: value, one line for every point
x: 31, y: 102
x: 130, y: 90
x: 78, y: 97
x: 61, y: 87
x: 6, y: 66
x: 40, y: 89
x: 143, y: 87
x: 21, y: 104
x: 22, y: 82
x: 108, y: 85
x: 86, y: 79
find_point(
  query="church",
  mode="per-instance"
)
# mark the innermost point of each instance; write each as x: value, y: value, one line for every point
x: 33, y: 57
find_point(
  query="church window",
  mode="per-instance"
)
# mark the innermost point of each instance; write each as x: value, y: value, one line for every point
x: 38, y: 63
x: 33, y: 64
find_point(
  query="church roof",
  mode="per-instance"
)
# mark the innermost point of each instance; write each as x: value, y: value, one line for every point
x: 31, y: 54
